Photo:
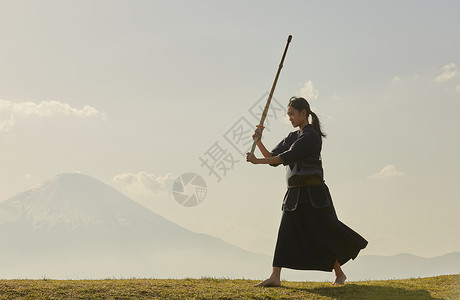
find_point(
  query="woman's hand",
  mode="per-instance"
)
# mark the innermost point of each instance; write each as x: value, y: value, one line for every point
x: 258, y: 133
x: 250, y: 157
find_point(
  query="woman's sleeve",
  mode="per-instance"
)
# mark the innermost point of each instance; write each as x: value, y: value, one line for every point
x: 284, y: 145
x: 307, y: 145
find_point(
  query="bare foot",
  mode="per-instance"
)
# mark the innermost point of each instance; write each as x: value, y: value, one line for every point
x: 340, y: 279
x: 270, y: 282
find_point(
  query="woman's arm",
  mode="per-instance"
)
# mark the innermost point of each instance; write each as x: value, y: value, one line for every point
x: 258, y: 134
x: 263, y: 150
x: 267, y: 160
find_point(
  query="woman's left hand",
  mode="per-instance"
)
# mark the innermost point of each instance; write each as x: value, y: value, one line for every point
x: 250, y: 157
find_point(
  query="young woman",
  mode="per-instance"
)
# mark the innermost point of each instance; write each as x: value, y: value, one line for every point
x: 310, y: 236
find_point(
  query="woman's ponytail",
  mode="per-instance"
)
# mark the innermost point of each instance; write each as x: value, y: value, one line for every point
x: 316, y: 124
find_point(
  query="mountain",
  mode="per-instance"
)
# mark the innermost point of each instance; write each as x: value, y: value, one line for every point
x: 73, y: 208
x: 75, y: 225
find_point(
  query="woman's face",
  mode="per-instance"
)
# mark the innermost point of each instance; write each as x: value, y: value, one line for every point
x: 296, y: 117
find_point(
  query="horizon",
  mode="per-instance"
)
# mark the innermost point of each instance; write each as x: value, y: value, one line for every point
x: 47, y: 181
x: 139, y: 95
x: 74, y: 220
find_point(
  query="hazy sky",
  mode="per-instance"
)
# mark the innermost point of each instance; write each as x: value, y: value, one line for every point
x: 134, y: 93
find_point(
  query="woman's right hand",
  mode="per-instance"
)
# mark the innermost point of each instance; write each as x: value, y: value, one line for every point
x: 258, y: 133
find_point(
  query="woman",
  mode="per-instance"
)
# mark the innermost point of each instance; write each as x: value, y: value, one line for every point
x: 310, y: 236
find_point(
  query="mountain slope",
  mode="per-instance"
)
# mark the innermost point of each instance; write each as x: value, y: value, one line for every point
x: 74, y: 226
x: 77, y: 208
x: 76, y: 201
x: 74, y: 219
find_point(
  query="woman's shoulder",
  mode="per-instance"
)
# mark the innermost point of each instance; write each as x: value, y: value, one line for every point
x: 310, y: 135
x: 309, y: 131
x: 293, y: 134
x: 291, y: 137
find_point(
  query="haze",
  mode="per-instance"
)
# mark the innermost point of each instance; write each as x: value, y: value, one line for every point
x: 135, y: 93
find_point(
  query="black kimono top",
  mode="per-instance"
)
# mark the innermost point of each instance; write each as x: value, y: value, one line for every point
x: 302, y: 145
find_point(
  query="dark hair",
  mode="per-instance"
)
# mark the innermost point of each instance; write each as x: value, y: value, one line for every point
x: 299, y: 104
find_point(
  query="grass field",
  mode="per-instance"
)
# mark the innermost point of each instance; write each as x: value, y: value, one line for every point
x: 441, y: 287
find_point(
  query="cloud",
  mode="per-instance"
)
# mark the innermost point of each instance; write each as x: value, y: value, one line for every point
x: 308, y: 91
x: 6, y: 123
x: 457, y: 88
x: 396, y: 78
x: 10, y: 111
x: 143, y: 184
x: 448, y: 72
x: 387, y: 172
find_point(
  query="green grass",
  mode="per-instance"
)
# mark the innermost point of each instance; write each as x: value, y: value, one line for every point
x: 441, y: 287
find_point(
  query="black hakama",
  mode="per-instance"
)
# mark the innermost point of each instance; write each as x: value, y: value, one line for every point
x: 312, y: 238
